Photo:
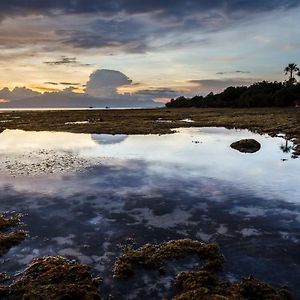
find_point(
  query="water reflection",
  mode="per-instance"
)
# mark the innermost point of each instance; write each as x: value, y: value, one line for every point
x: 152, y: 189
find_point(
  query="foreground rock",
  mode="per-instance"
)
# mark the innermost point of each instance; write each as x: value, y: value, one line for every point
x: 204, y: 284
x: 151, y: 256
x: 246, y: 146
x: 208, y: 286
x: 53, y: 278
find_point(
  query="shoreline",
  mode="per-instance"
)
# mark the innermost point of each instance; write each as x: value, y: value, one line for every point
x: 271, y: 121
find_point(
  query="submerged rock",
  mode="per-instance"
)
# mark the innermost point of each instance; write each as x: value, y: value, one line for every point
x: 53, y: 278
x: 10, y: 234
x: 154, y: 256
x: 205, y: 283
x: 246, y: 146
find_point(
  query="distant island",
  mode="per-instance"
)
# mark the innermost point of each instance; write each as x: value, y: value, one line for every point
x: 259, y: 94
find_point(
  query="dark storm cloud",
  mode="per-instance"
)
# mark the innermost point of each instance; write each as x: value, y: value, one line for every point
x: 130, y: 26
x: 109, y: 7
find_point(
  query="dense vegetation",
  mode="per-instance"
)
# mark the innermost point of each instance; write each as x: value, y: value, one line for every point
x: 260, y: 94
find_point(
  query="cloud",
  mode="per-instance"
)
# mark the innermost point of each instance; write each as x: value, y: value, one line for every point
x: 65, y: 61
x: 18, y: 93
x: 121, y: 25
x: 111, y: 7
x: 51, y: 83
x: 70, y: 83
x: 103, y: 86
x: 101, y: 91
x: 158, y: 93
x: 204, y: 86
x: 233, y: 72
x: 104, y: 83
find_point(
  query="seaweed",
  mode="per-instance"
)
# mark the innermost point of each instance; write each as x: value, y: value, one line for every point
x: 205, y: 283
x: 208, y: 286
x: 154, y: 256
x: 53, y: 278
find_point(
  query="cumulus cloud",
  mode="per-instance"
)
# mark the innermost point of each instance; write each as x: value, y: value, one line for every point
x: 18, y: 93
x: 104, y: 83
x: 101, y: 90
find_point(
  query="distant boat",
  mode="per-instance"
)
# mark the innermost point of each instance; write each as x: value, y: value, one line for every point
x: 107, y: 107
x: 91, y: 107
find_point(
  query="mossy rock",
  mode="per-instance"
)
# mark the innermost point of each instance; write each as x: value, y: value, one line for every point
x: 246, y: 146
x: 154, y: 256
x: 208, y: 286
x: 53, y: 278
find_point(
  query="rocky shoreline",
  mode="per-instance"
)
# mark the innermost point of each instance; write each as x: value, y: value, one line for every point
x: 272, y: 121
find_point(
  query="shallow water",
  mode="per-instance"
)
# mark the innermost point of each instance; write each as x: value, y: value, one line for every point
x: 83, y: 195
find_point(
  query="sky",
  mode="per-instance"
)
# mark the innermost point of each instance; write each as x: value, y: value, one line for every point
x: 141, y: 50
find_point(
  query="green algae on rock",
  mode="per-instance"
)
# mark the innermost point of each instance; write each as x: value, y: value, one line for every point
x: 10, y: 236
x: 154, y: 256
x: 246, y: 146
x: 53, y: 278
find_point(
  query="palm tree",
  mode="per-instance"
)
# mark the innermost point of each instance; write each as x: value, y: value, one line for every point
x: 291, y: 69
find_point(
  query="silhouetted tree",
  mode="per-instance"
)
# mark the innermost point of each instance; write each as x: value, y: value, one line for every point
x: 291, y: 69
x: 259, y: 94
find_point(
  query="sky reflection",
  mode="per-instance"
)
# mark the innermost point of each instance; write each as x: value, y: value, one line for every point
x: 152, y: 189
x: 188, y: 153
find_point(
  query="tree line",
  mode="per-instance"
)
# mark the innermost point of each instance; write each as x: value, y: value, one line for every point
x: 259, y: 94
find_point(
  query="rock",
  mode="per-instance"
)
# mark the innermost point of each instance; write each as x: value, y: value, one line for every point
x: 53, y: 277
x: 246, y: 146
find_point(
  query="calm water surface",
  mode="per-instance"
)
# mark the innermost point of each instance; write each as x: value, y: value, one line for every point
x: 83, y: 195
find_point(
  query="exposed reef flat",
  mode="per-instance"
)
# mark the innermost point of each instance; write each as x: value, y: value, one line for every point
x: 272, y: 121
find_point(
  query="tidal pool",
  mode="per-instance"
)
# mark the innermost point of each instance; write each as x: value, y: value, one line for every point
x: 83, y: 195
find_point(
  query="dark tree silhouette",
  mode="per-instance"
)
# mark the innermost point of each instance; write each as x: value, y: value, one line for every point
x: 259, y: 94
x: 291, y: 69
